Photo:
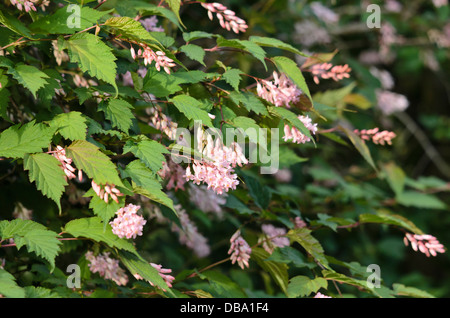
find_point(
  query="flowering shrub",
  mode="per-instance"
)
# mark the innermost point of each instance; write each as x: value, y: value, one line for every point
x: 190, y: 149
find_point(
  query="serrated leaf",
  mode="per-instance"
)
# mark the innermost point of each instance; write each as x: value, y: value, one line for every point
x: 129, y: 28
x: 290, y: 68
x: 14, y: 25
x: 190, y: 107
x: 249, y: 101
x: 93, y: 228
x: 174, y: 5
x: 191, y: 36
x: 222, y: 286
x: 118, y: 112
x: 70, y: 125
x: 30, y: 77
x: 88, y: 158
x: 278, y: 271
x: 18, y: 140
x: 45, y: 170
x: 150, y: 152
x: 309, y: 243
x: 104, y: 210
x: 233, y: 77
x: 39, y: 292
x: 152, y: 189
x: 9, y: 287
x: 93, y: 56
x: 300, y: 286
x: 194, y: 52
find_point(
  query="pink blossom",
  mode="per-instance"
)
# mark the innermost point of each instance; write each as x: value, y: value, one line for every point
x: 207, y: 200
x: 327, y: 71
x: 160, y: 58
x: 60, y: 154
x: 376, y: 136
x: 323, y: 13
x: 299, y: 223
x: 440, y: 3
x: 106, y: 267
x: 128, y: 223
x: 174, y: 173
x: 106, y: 191
x: 240, y: 250
x: 150, y: 24
x: 296, y: 135
x: 425, y: 243
x: 162, y: 122
x: 389, y: 102
x: 227, y: 18
x: 282, y: 91
x: 275, y: 237
x: 320, y: 295
x: 28, y: 5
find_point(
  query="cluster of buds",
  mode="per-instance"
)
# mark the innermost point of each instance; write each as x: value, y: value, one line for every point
x: 60, y: 154
x: 162, y: 122
x: 327, y: 71
x: 29, y: 5
x: 227, y: 18
x: 377, y: 136
x: 106, y: 267
x: 106, y: 191
x: 296, y: 135
x: 128, y: 223
x: 240, y: 250
x: 80, y: 81
x: 282, y: 91
x: 217, y: 169
x: 162, y: 272
x: 60, y: 55
x: 160, y: 58
x: 425, y: 243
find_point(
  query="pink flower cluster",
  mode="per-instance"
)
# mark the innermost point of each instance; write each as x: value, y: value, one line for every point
x: 227, y: 18
x: 320, y: 295
x: 162, y: 122
x: 150, y: 24
x: 275, y: 237
x: 106, y: 191
x: 217, y: 168
x: 60, y: 154
x: 189, y: 234
x: 106, y: 267
x: 425, y: 243
x: 377, y: 136
x: 296, y: 135
x: 174, y: 173
x: 389, y: 102
x: 240, y: 250
x: 128, y: 223
x: 327, y: 71
x: 160, y: 58
x: 282, y: 91
x: 162, y: 272
x: 207, y: 200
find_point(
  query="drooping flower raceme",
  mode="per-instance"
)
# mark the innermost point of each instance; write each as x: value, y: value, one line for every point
x: 389, y: 102
x: 189, y: 234
x: 296, y: 135
x: 217, y: 168
x: 160, y: 121
x: 240, y: 250
x: 106, y: 267
x: 281, y: 91
x: 227, y: 18
x: 425, y: 243
x: 160, y: 58
x: 327, y: 71
x: 207, y: 200
x: 377, y: 136
x: 128, y: 223
x: 174, y: 173
x: 21, y: 212
x: 60, y: 154
x: 106, y: 191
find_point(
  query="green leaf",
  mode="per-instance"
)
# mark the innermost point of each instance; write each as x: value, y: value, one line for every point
x: 118, y: 112
x: 289, y: 157
x: 36, y: 237
x: 14, y: 25
x: 250, y: 128
x: 174, y: 5
x: 249, y: 101
x: 303, y: 237
x: 93, y: 228
x: 129, y: 28
x: 222, y: 286
x: 288, y: 255
x: 194, y: 52
x: 191, y: 36
x: 301, y: 286
x: 258, y: 192
x: 421, y: 200
x: 39, y: 292
x: 93, y: 56
x: 289, y: 67
x: 102, y: 209
x: 152, y: 189
x: 291, y: 118
x: 278, y: 271
x: 62, y: 21
x: 88, y: 158
x: 70, y: 125
x: 9, y: 287
x: 190, y: 107
x: 18, y: 140
x: 402, y: 290
x: 271, y: 42
x: 30, y: 77
x: 45, y: 170
x: 360, y: 145
x: 233, y: 77
x: 385, y: 217
x: 150, y: 152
